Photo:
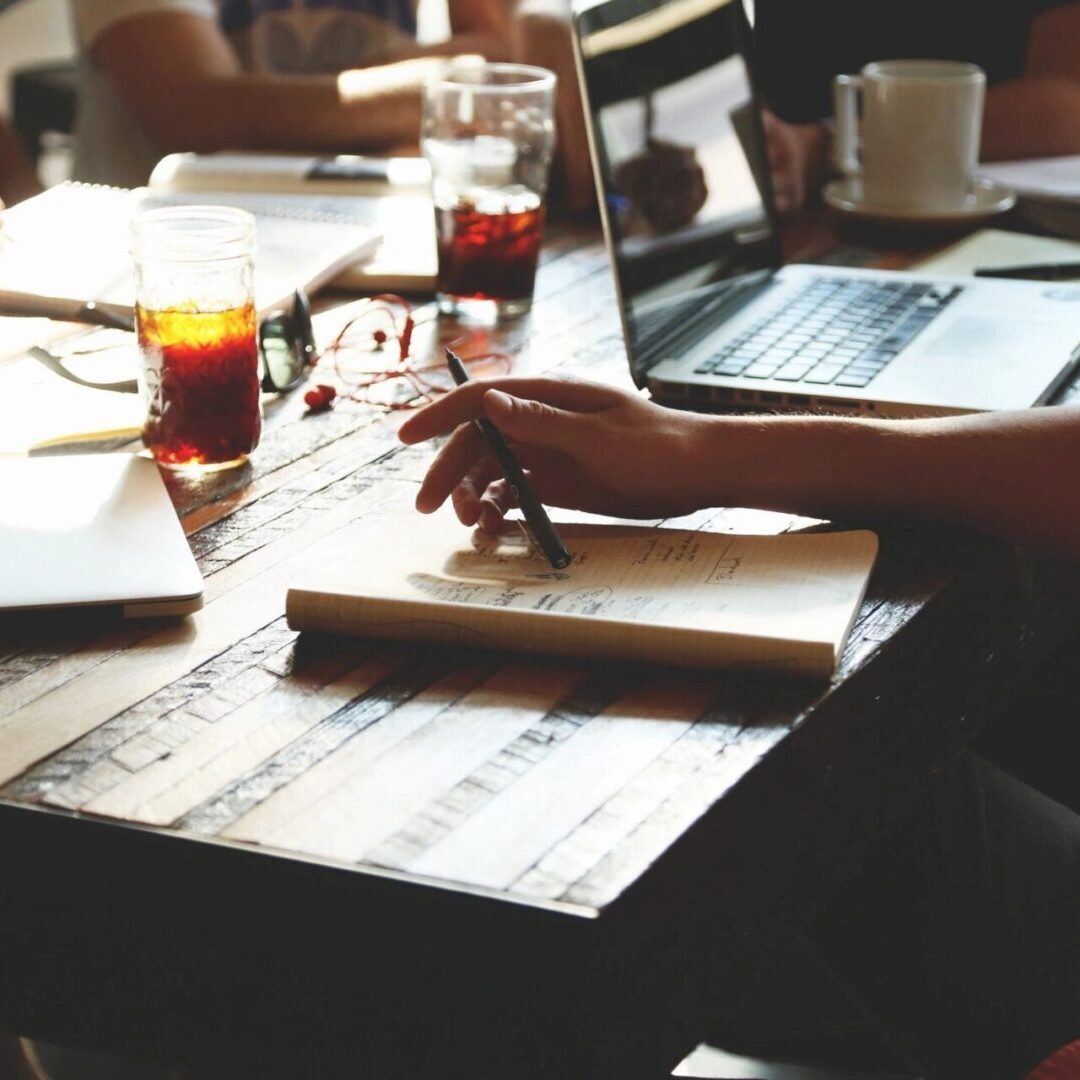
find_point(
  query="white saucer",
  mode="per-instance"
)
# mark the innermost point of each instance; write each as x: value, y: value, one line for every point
x: 987, y: 201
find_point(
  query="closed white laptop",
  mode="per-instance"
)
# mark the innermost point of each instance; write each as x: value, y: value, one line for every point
x: 711, y: 315
x: 92, y: 530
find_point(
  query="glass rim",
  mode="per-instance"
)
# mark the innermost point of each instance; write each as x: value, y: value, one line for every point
x: 192, y: 233
x: 924, y: 70
x: 532, y: 77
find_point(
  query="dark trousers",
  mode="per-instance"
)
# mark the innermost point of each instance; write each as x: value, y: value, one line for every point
x: 962, y: 934
x: 953, y: 945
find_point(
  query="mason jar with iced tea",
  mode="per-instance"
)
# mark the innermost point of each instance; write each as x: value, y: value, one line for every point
x: 195, y: 316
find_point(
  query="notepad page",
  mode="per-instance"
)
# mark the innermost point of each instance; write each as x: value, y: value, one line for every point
x: 801, y: 588
x: 70, y: 244
x: 67, y: 245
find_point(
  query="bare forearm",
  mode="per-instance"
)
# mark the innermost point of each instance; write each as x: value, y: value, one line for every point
x: 491, y: 46
x: 347, y: 113
x: 1037, y: 116
x: 1010, y: 474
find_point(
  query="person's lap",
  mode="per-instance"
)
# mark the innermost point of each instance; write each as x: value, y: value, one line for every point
x: 963, y: 935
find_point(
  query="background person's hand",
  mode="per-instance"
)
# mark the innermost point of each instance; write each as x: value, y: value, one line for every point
x: 796, y: 160
x: 585, y: 447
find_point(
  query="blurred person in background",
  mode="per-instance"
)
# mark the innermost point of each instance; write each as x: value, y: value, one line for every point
x: 17, y: 177
x: 159, y: 76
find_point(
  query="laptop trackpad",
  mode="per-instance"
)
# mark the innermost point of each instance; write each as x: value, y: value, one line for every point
x: 986, y: 363
x: 986, y: 338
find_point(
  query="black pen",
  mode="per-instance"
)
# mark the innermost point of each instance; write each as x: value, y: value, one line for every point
x: 1034, y: 272
x: 543, y: 532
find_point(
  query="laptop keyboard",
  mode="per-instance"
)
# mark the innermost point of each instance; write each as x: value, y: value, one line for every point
x: 835, y: 331
x: 666, y: 331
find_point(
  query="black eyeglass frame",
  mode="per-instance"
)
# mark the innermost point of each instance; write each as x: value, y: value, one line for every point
x: 290, y: 330
x: 288, y: 334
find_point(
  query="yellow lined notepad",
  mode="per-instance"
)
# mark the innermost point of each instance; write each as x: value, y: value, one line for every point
x: 659, y: 595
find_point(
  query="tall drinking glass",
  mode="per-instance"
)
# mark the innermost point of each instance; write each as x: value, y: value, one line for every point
x: 488, y: 133
x: 195, y: 314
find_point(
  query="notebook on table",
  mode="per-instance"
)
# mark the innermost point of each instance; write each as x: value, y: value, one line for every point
x: 670, y: 596
x: 69, y: 246
x: 712, y: 317
x: 391, y: 195
x: 92, y: 530
x: 304, y: 174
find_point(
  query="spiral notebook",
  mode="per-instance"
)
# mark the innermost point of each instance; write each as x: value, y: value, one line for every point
x: 69, y: 246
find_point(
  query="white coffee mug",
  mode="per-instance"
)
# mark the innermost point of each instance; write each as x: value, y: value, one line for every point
x: 921, y: 123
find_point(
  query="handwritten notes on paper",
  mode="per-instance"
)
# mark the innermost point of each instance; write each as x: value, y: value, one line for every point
x: 668, y: 595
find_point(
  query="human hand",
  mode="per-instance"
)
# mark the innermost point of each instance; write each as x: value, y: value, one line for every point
x: 585, y: 446
x: 796, y: 160
x: 409, y: 75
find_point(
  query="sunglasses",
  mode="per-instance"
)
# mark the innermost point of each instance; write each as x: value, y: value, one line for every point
x: 286, y: 348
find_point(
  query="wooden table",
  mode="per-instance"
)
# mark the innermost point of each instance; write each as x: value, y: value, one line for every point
x: 224, y: 843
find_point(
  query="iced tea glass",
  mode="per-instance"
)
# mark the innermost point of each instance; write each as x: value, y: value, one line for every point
x: 195, y: 316
x: 488, y: 133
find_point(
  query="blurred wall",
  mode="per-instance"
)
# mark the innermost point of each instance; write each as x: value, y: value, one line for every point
x: 32, y: 31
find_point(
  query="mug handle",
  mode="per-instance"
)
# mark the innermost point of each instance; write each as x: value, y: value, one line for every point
x: 846, y: 107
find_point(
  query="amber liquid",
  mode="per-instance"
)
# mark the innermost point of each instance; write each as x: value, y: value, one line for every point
x: 201, y: 376
x: 487, y: 256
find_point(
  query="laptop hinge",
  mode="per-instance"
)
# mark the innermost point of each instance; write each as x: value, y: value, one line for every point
x: 713, y: 312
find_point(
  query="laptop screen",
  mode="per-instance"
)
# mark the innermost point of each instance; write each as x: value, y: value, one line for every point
x: 680, y: 156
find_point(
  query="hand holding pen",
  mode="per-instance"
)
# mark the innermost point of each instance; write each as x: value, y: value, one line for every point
x: 544, y: 535
x: 587, y: 446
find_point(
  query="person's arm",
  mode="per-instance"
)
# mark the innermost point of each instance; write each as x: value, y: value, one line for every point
x: 17, y: 177
x: 181, y: 78
x: 1038, y: 115
x: 478, y: 27
x: 595, y: 448
x: 541, y: 35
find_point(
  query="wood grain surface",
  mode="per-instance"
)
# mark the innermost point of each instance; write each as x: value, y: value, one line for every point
x: 590, y: 789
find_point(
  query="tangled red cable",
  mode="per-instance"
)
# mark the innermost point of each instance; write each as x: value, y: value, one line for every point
x: 388, y: 318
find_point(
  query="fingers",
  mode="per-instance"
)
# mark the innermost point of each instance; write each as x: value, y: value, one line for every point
x: 452, y: 463
x: 465, y: 466
x: 536, y: 423
x: 496, y: 501
x: 464, y: 403
x: 468, y: 495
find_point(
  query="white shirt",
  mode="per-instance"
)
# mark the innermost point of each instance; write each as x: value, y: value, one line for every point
x: 283, y: 36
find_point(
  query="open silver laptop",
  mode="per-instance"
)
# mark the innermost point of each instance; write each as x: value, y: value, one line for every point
x: 710, y: 314
x: 92, y: 530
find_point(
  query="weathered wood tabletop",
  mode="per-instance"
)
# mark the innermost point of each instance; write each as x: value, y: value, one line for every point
x: 224, y: 843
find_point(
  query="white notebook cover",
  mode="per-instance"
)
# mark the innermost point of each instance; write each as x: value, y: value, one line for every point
x: 92, y: 529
